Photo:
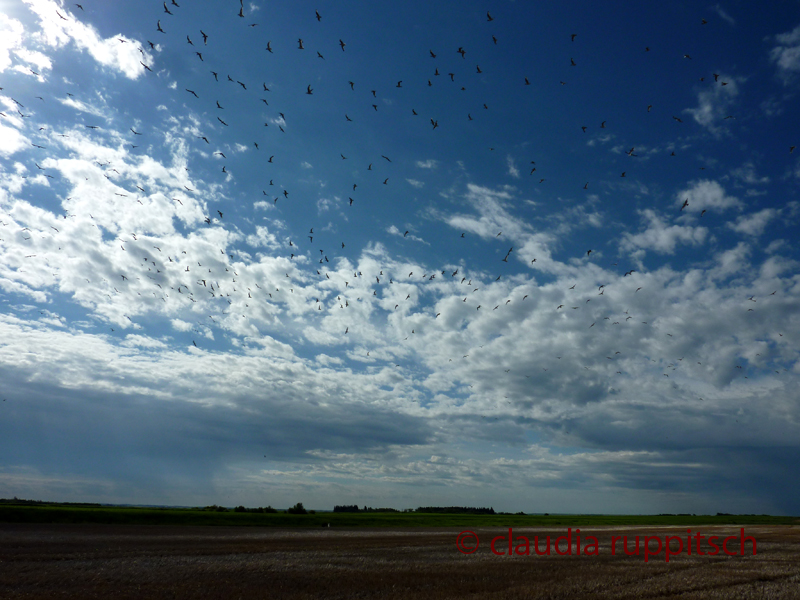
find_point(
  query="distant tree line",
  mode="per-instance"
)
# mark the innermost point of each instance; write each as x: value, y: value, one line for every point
x: 353, y: 508
x: 297, y: 509
x: 456, y: 510
x: 16, y: 500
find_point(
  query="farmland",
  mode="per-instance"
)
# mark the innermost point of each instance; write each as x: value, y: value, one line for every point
x: 168, y: 561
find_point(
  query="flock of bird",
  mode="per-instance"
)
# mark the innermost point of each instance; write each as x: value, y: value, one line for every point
x: 177, y: 279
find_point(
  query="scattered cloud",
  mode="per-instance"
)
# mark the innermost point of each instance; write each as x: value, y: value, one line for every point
x: 786, y: 54
x: 662, y: 238
x: 714, y: 103
x: 512, y: 169
x: 755, y: 223
x: 427, y: 164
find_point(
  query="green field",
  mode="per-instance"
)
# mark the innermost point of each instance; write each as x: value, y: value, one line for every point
x: 10, y: 513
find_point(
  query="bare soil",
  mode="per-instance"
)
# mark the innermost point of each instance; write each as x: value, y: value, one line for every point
x: 116, y: 561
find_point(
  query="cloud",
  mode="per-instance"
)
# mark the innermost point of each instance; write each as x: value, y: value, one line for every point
x: 427, y: 164
x: 786, y: 54
x: 118, y: 52
x: 714, y: 103
x: 707, y: 194
x: 392, y: 230
x: 755, y: 223
x: 263, y: 238
x: 747, y: 174
x: 722, y: 13
x: 84, y: 107
x: 417, y: 184
x: 11, y: 140
x: 11, y: 36
x: 512, y: 169
x: 660, y: 237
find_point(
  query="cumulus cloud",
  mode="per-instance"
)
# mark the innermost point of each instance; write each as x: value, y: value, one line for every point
x: 714, y: 103
x: 119, y: 52
x: 786, y: 53
x: 660, y: 237
x: 707, y: 195
x: 755, y: 223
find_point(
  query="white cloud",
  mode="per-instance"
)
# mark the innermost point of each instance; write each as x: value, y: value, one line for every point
x: 722, y: 13
x: 662, y: 238
x: 707, y: 194
x: 326, y: 204
x: 263, y: 238
x: 747, y: 174
x: 417, y: 184
x: 786, y: 55
x: 180, y: 325
x: 512, y: 169
x: 263, y: 205
x: 117, y: 52
x: 11, y: 34
x: 427, y: 164
x: 84, y: 107
x: 11, y: 140
x: 714, y: 103
x: 755, y: 223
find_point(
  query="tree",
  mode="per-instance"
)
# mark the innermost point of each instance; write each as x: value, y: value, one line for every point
x: 297, y: 509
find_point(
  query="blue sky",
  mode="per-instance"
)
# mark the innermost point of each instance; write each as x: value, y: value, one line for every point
x: 193, y: 311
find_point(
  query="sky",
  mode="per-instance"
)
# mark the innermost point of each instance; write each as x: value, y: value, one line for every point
x: 534, y: 256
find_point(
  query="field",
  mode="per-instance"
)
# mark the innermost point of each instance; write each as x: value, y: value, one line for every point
x: 116, y: 515
x: 65, y: 560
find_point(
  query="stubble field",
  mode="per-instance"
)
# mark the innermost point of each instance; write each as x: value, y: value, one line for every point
x: 139, y: 561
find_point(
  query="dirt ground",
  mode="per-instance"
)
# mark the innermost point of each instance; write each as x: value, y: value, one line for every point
x: 110, y: 561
